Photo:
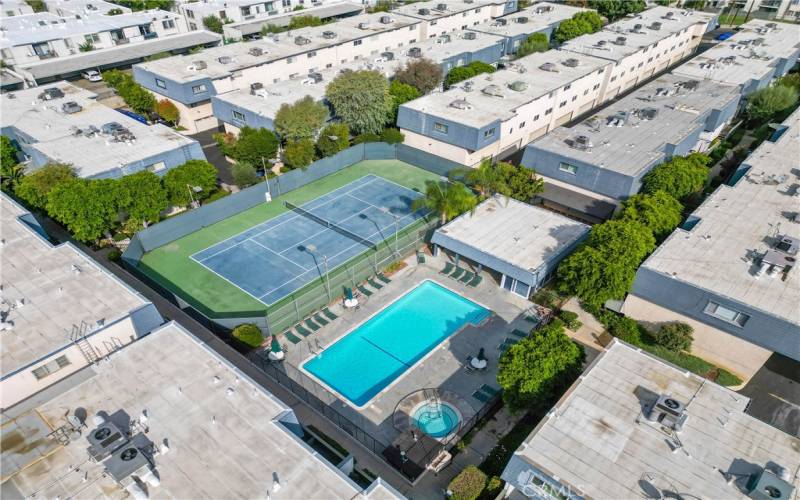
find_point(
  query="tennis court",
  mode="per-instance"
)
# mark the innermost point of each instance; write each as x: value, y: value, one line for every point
x: 281, y: 255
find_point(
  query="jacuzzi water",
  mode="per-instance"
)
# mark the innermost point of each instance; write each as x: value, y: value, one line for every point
x: 436, y: 419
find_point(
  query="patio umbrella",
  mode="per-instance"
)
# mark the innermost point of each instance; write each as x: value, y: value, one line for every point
x: 275, y: 350
x: 348, y: 293
x: 481, y: 354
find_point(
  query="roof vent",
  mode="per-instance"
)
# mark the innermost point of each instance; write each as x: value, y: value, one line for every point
x: 467, y: 86
x: 648, y: 114
x: 521, y: 20
x: 461, y: 104
x: 548, y: 66
x: 668, y: 412
x: 501, y: 22
x: 71, y: 107
x: 601, y: 43
x: 225, y: 60
x: 255, y: 87
x: 493, y: 90
x: 414, y: 52
x: 424, y: 12
x: 301, y: 40
x: 51, y: 93
x: 621, y: 40
x: 198, y: 66
x: 669, y: 15
x: 637, y: 28
x: 363, y: 26
x: 470, y: 35
x: 572, y: 62
x: 656, y: 26
x: 582, y: 143
x: 255, y: 51
x: 542, y: 9
x: 518, y: 85
x: 386, y: 20
x: 315, y: 77
x: 328, y: 35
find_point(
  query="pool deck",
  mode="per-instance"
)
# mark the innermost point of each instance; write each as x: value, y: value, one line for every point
x: 443, y: 367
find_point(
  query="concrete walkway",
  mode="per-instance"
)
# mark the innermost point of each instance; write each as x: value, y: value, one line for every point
x: 590, y: 332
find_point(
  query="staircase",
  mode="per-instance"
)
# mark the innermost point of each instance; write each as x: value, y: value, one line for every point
x: 78, y: 336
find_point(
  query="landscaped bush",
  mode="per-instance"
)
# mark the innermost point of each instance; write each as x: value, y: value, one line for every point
x: 392, y: 136
x: 623, y: 328
x: 570, y: 320
x: 249, y: 335
x: 114, y: 255
x: 676, y: 337
x: 363, y: 138
x: 468, y: 484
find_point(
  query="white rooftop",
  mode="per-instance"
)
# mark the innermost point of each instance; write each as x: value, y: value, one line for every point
x: 55, y: 131
x: 598, y: 442
x: 274, y: 95
x: 238, y: 56
x: 750, y: 54
x: 482, y: 109
x: 83, y: 6
x: 626, y: 138
x: 45, y: 26
x: 211, y: 431
x: 536, y: 17
x: 514, y: 232
x: 453, y: 7
x: 638, y: 32
x: 47, y: 289
x: 739, y: 221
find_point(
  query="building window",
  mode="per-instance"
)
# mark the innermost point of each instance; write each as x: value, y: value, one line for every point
x: 190, y: 14
x: 440, y: 127
x: 522, y: 125
x: 6, y: 53
x: 613, y: 78
x: 51, y: 367
x: 488, y: 133
x: 168, y: 24
x: 157, y: 167
x: 566, y: 167
x: 574, y: 98
x: 563, y: 103
x: 548, y: 111
x: 311, y: 54
x: 357, y: 42
x: 161, y: 83
x: 726, y: 314
x: 94, y: 37
x: 192, y: 27
x: 567, y: 86
x: 238, y: 116
x: 536, y: 118
x: 198, y: 89
x: 597, y: 86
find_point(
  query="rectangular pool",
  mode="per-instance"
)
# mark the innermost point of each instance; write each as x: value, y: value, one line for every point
x: 373, y: 355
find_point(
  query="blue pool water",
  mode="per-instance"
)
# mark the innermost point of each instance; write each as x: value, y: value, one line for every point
x: 369, y: 358
x: 436, y: 420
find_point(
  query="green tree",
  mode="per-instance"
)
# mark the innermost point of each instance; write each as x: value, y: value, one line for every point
x: 361, y: 99
x: 765, y: 103
x: 446, y: 199
x: 299, y: 154
x: 88, y: 208
x: 627, y: 241
x: 255, y: 144
x: 142, y: 197
x: 300, y: 120
x: 181, y: 182
x: 468, y: 484
x: 538, y: 42
x: 168, y: 111
x: 37, y: 5
x: 592, y: 18
x: 678, y: 177
x: 249, y: 335
x: 676, y: 336
x: 134, y: 95
x: 363, y: 138
x: 457, y: 75
x: 487, y: 179
x: 422, y: 74
x: 34, y: 188
x: 401, y: 93
x: 594, y: 277
x: 615, y: 9
x: 539, y: 368
x: 568, y: 30
x: 333, y: 138
x: 392, y: 136
x: 790, y: 80
x: 297, y: 22
x: 522, y: 183
x: 244, y: 175
x: 213, y: 23
x: 659, y: 211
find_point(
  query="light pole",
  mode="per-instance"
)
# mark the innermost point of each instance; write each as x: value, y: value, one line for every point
x: 396, y: 228
x: 313, y: 250
x: 192, y: 190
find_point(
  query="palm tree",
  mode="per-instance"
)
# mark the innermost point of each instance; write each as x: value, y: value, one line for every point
x: 11, y: 175
x: 487, y: 179
x: 447, y: 199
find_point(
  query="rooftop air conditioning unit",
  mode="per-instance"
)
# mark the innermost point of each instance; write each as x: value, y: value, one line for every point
x: 655, y: 26
x: 328, y: 35
x: 542, y: 9
x: 648, y: 114
x: 582, y: 143
x: 501, y: 22
x: 255, y: 87
x: 315, y: 77
x: 668, y: 412
x: 105, y: 440
x: 126, y: 462
x: 301, y: 40
x: 664, y: 91
x: 71, y: 107
x: 441, y: 7
x: 461, y: 104
x: 637, y: 28
x: 572, y: 62
x: 414, y: 52
x: 669, y: 15
x: 424, y: 12
x: 444, y: 39
x: 768, y: 483
x: 470, y: 35
x: 255, y: 51
x: 198, y: 65
x: 518, y: 85
x: 225, y: 60
x: 788, y: 245
x: 548, y: 66
x: 467, y: 87
x: 387, y: 56
x: 621, y: 40
x: 771, y: 26
x: 690, y: 85
x: 601, y: 43
x: 363, y: 26
x: 493, y: 90
x: 521, y: 19
x: 386, y: 20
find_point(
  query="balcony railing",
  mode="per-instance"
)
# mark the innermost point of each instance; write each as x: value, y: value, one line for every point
x: 47, y: 55
x: 121, y: 41
x: 150, y: 36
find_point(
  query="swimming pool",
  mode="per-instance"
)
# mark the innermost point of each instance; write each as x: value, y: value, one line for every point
x: 373, y: 355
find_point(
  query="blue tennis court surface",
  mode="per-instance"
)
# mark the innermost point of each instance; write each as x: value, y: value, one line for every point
x: 271, y: 260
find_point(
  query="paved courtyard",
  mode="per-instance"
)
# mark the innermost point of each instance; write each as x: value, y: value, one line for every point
x: 443, y: 368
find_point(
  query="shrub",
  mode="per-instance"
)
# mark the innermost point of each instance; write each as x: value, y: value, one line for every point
x: 422, y: 74
x: 244, y: 175
x: 570, y: 320
x: 538, y: 42
x: 547, y: 298
x: 333, y: 138
x: 765, y: 103
x: 392, y: 136
x: 213, y: 23
x: 168, y: 111
x: 249, y: 335
x: 493, y: 486
x: 625, y: 329
x: 676, y: 336
x: 114, y: 255
x: 299, y: 154
x: 363, y: 138
x: 468, y: 484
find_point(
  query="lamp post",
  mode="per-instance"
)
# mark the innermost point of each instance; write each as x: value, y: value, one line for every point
x: 192, y: 190
x: 313, y: 250
x: 396, y: 227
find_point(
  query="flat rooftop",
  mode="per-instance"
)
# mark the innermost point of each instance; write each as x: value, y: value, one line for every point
x: 750, y: 54
x: 45, y: 26
x: 536, y: 17
x: 239, y: 56
x: 211, y: 431
x: 56, y: 132
x: 324, y: 11
x: 482, y: 109
x: 599, y: 443
x: 736, y: 222
x: 627, y: 136
x: 514, y: 232
x: 274, y: 95
x: 47, y: 289
x: 638, y: 31
x: 83, y: 6
x: 453, y: 7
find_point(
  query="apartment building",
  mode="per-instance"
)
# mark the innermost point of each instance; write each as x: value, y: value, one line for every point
x: 258, y: 106
x: 645, y: 44
x: 167, y: 417
x: 84, y: 8
x: 440, y: 17
x: 61, y: 312
x: 559, y: 86
x: 729, y: 271
x: 589, y: 167
x: 633, y: 426
x: 11, y: 8
x: 788, y: 10
x: 254, y: 26
x: 752, y: 58
x: 64, y: 123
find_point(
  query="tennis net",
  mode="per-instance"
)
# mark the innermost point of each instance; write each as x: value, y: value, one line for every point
x: 330, y: 225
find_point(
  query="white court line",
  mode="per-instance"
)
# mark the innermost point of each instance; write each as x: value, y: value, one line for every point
x: 279, y: 255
